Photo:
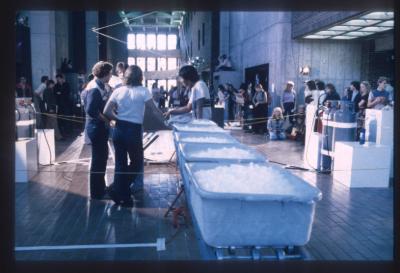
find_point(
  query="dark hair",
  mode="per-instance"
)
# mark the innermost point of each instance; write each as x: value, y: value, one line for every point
x: 331, y: 87
x: 60, y: 76
x: 90, y: 77
x: 221, y: 87
x: 356, y: 84
x: 133, y: 76
x: 43, y: 79
x: 243, y: 86
x: 382, y: 79
x: 189, y: 73
x: 311, y: 85
x: 49, y: 82
x: 320, y: 85
x: 101, y: 69
x: 121, y: 66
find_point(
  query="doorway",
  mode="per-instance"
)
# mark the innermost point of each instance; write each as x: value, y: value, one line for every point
x: 257, y: 74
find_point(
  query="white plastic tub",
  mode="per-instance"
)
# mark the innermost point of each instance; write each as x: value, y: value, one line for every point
x: 281, y: 215
x: 201, y: 137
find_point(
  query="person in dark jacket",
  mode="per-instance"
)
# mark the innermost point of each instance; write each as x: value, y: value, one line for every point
x: 50, y: 106
x: 353, y: 95
x: 331, y: 93
x: 98, y: 128
x: 64, y: 105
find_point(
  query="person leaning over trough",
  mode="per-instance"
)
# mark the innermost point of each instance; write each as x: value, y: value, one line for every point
x: 275, y: 125
x: 97, y: 128
x: 199, y: 102
x: 126, y: 107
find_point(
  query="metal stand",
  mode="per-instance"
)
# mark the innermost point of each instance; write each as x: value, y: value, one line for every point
x: 171, y: 207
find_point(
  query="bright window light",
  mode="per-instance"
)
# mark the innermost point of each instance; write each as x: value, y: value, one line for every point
x: 161, y: 42
x: 171, y: 63
x: 131, y: 61
x: 375, y: 29
x: 141, y: 41
x: 151, y: 41
x: 151, y: 64
x: 342, y: 37
x: 171, y: 83
x: 344, y: 28
x: 328, y: 32
x: 316, y: 37
x: 358, y: 33
x: 389, y: 23
x: 162, y: 64
x: 359, y: 22
x: 131, y: 41
x: 378, y: 15
x: 141, y: 62
x: 172, y: 39
x: 150, y: 84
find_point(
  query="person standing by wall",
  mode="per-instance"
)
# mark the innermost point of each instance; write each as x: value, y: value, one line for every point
x: 288, y: 101
x: 98, y: 128
x: 260, y: 101
x: 379, y: 98
x: 354, y: 95
x: 39, y: 103
x: 64, y: 107
x: 199, y: 102
x: 130, y: 100
x: 331, y: 93
x: 50, y: 105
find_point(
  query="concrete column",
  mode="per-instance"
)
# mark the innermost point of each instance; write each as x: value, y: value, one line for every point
x: 92, y: 42
x: 43, y: 45
x: 224, y: 40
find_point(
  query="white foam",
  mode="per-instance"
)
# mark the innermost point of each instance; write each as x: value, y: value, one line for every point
x: 247, y: 179
x: 224, y: 152
x: 206, y: 139
x: 198, y: 128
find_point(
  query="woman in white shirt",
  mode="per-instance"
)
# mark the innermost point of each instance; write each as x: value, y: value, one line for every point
x: 126, y: 107
x: 199, y: 101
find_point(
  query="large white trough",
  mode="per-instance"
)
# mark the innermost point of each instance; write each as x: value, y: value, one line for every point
x: 251, y: 204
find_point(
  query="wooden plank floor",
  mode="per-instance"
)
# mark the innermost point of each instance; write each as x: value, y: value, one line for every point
x: 53, y: 209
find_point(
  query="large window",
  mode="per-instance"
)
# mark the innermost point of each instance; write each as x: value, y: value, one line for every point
x: 150, y: 84
x: 161, y: 42
x: 131, y: 41
x: 151, y: 41
x: 151, y: 64
x: 162, y: 64
x: 172, y: 40
x: 131, y: 61
x: 141, y: 41
x: 141, y: 62
x: 171, y: 63
x: 171, y: 83
x: 162, y: 83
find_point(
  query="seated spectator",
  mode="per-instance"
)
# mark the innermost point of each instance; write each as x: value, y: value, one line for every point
x: 275, y: 125
x: 379, y: 98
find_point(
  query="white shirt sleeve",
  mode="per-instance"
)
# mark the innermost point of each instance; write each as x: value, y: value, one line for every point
x: 192, y: 96
x: 147, y: 94
x: 113, y: 97
x: 370, y: 96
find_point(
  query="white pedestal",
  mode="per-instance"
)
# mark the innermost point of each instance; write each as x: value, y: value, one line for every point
x: 362, y: 166
x: 26, y: 159
x: 46, y: 149
x: 379, y: 129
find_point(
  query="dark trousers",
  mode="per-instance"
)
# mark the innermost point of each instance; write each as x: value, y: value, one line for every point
x: 98, y: 135
x: 64, y: 116
x: 288, y: 110
x: 127, y: 139
x: 260, y: 118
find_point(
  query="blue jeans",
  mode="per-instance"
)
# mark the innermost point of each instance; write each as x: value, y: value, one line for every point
x: 98, y: 135
x: 127, y: 138
x: 276, y: 135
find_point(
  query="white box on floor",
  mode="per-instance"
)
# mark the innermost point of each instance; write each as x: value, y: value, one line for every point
x: 46, y: 146
x: 26, y: 159
x: 359, y: 166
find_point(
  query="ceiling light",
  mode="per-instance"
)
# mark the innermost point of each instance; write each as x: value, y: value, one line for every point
x: 328, y: 32
x: 316, y: 37
x: 359, y: 33
x: 375, y: 29
x: 343, y: 37
x: 378, y: 15
x: 359, y: 22
x: 389, y: 23
x: 344, y: 28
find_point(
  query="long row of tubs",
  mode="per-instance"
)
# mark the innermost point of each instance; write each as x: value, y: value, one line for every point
x: 238, y: 199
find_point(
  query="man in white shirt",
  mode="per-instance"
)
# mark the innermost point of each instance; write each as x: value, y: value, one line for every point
x: 199, y: 100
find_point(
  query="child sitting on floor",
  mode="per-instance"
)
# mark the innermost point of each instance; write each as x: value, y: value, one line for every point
x: 275, y: 125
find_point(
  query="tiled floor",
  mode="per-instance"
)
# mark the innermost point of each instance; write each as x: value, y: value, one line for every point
x: 53, y: 209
